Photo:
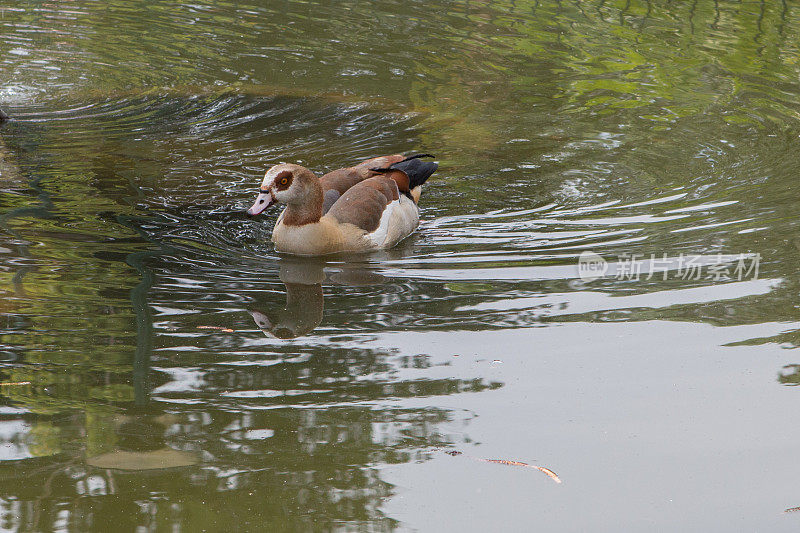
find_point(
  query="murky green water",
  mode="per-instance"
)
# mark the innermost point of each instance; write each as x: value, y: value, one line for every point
x: 146, y: 322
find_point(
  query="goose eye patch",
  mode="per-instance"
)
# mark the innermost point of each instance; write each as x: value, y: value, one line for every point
x: 283, y: 180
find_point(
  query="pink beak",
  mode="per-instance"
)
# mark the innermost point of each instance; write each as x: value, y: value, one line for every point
x: 263, y: 201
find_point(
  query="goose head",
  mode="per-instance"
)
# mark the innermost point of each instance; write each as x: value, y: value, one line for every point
x: 289, y: 184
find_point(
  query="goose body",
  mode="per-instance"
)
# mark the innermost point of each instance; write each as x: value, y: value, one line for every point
x: 371, y: 206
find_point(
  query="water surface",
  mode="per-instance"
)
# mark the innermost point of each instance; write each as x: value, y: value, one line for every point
x: 146, y: 321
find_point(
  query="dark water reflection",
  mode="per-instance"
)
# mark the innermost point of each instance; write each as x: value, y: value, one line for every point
x: 145, y: 321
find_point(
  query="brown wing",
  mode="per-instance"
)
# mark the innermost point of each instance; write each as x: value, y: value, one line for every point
x: 384, y: 161
x: 342, y: 179
x: 364, y: 203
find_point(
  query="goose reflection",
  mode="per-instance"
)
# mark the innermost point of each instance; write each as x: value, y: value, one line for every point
x: 304, y: 297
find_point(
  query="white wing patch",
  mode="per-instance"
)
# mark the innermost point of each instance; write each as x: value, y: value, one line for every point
x: 399, y: 220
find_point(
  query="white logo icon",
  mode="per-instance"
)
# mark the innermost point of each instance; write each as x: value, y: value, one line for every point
x: 591, y: 266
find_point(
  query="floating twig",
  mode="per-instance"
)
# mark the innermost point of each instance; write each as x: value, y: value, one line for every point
x: 546, y: 471
x: 549, y: 473
x: 11, y: 383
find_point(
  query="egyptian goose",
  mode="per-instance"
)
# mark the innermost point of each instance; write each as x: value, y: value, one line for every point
x: 371, y: 206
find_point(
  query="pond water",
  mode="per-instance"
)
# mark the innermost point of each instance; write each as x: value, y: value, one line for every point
x: 146, y: 322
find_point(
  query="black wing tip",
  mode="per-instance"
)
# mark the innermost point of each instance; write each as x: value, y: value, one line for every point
x: 416, y: 170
